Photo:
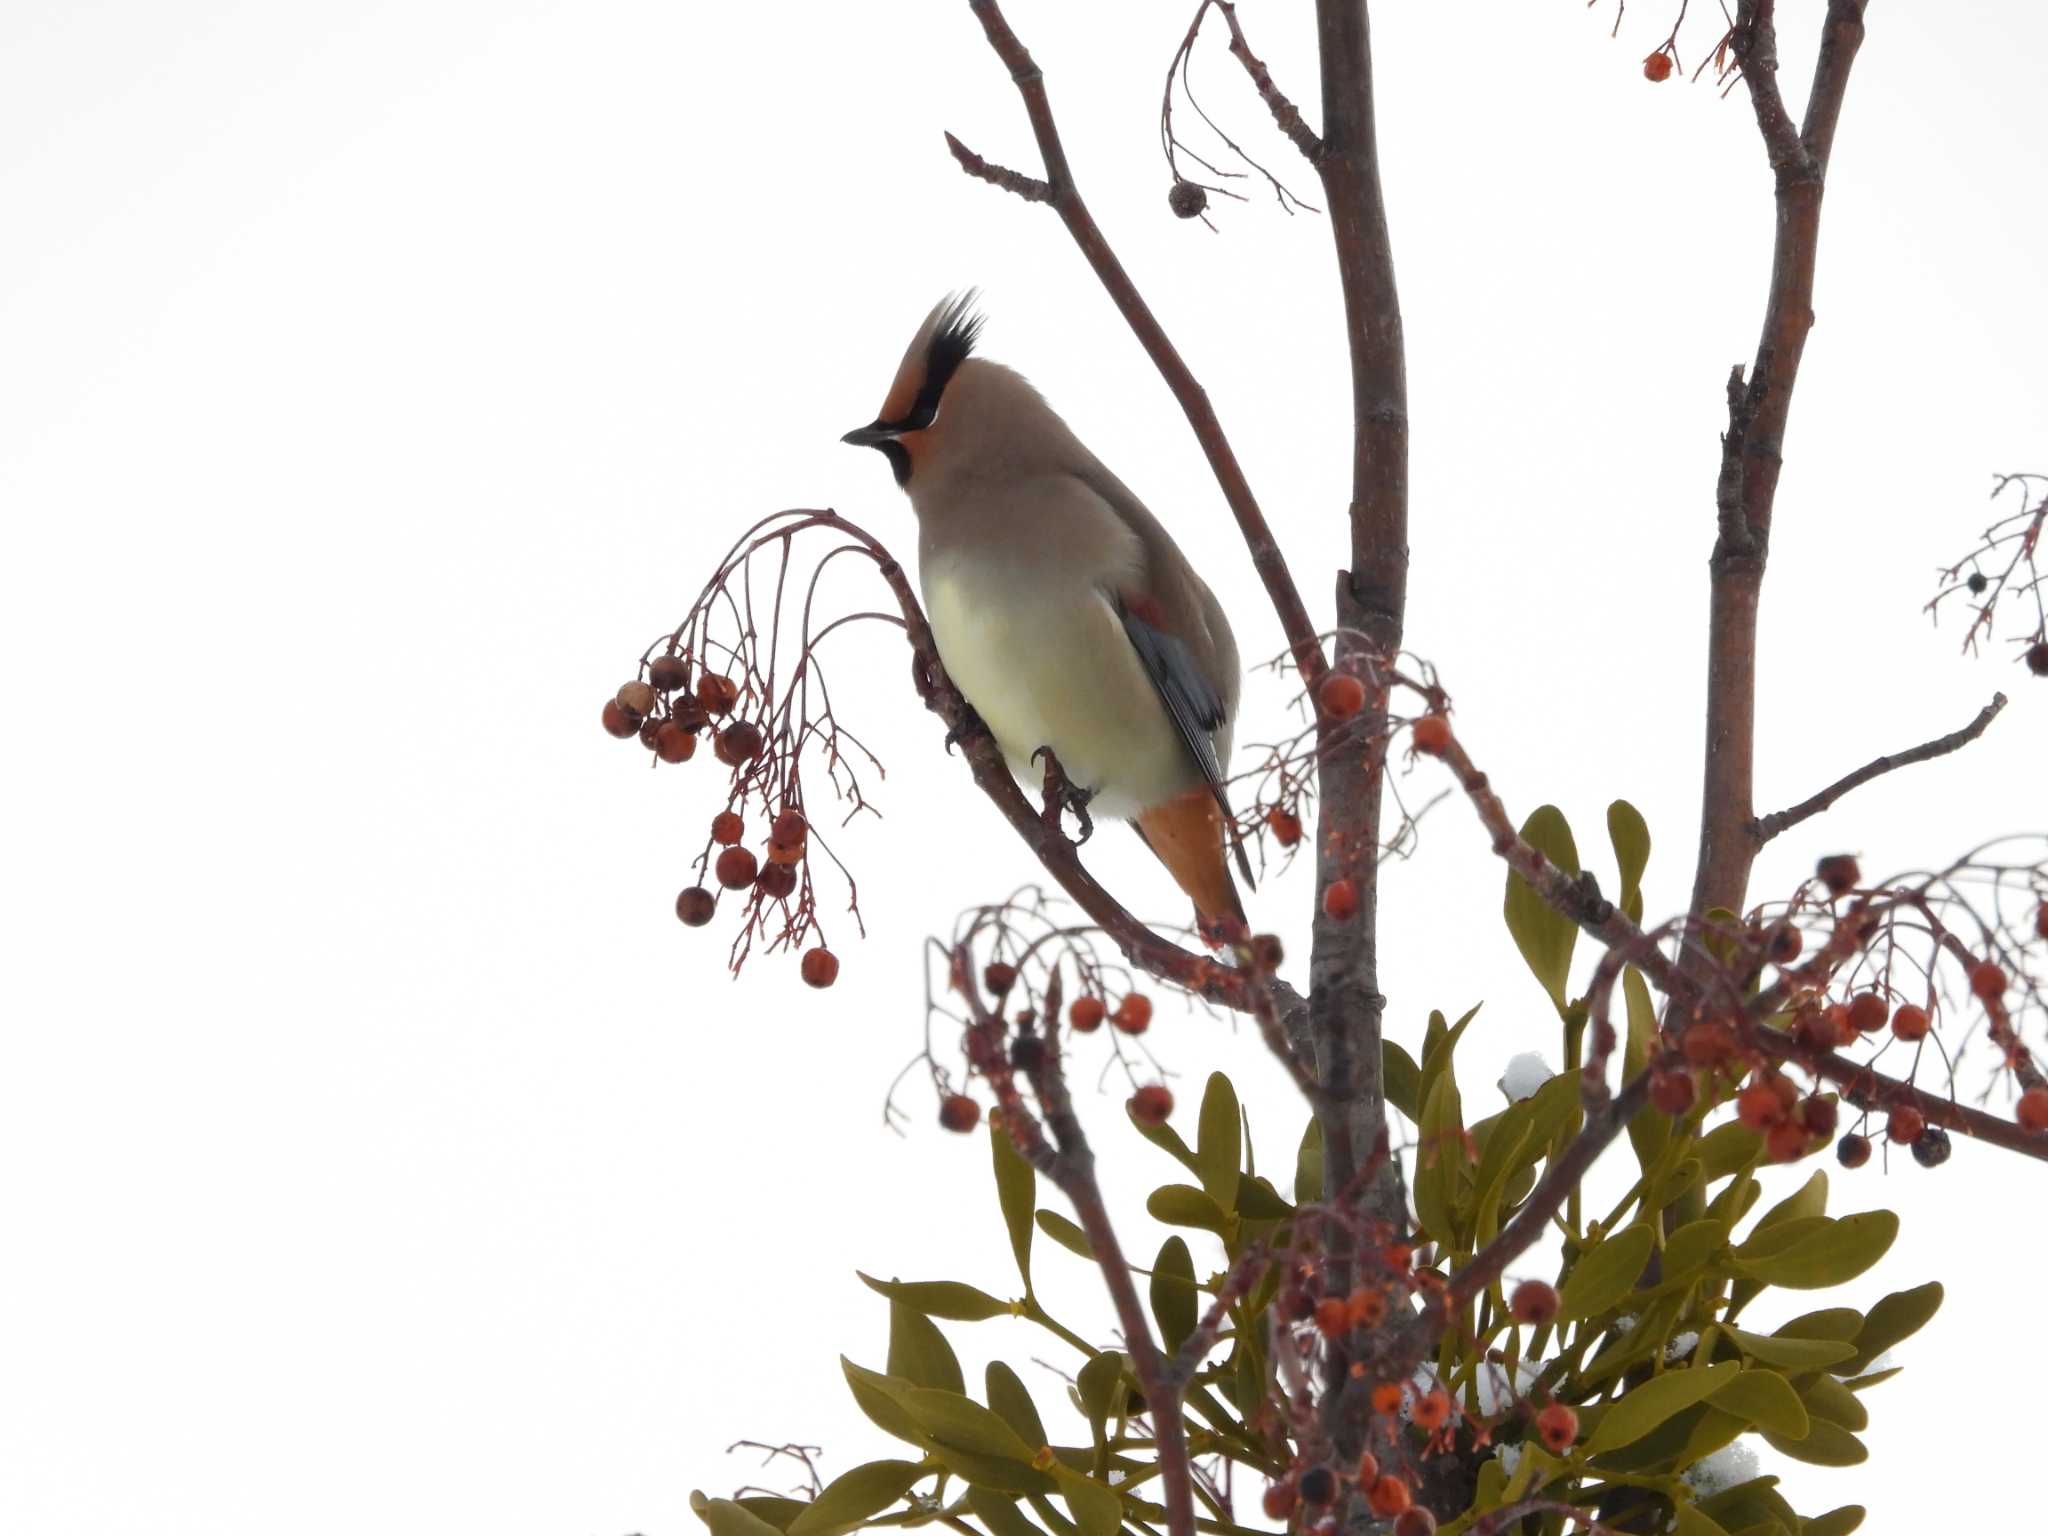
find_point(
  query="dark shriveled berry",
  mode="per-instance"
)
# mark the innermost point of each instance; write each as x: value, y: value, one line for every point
x: 999, y: 978
x: 738, y: 743
x: 695, y: 906
x: 1839, y: 872
x: 736, y: 868
x: 775, y: 881
x: 637, y: 698
x: 1318, y: 1485
x: 668, y: 673
x: 1852, y: 1151
x: 1932, y: 1147
x: 1027, y: 1053
x: 1187, y: 200
x: 2037, y: 658
x: 1977, y: 583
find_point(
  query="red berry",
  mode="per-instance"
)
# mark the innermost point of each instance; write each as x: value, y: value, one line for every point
x: 1340, y: 900
x: 1333, y: 1316
x: 738, y: 743
x: 727, y: 828
x: 650, y: 734
x: 957, y: 1112
x: 820, y: 968
x: 1386, y: 1397
x: 1388, y: 1496
x: 775, y: 880
x: 1987, y: 981
x: 1086, y: 1015
x: 2032, y: 1110
x: 1836, y: 1016
x: 1911, y: 1023
x: 2041, y: 921
x: 1787, y: 1142
x: 789, y: 827
x: 1867, y: 1012
x: 1151, y: 1104
x: 1707, y: 1043
x: 2037, y: 658
x: 1341, y: 696
x: 1279, y: 1501
x: 1852, y: 1151
x: 695, y: 906
x: 717, y: 694
x: 1905, y: 1125
x: 1758, y: 1108
x: 637, y: 699
x: 1673, y: 1092
x: 1415, y: 1521
x: 1840, y: 873
x: 1657, y: 68
x: 1431, y: 735
x: 1134, y: 1014
x: 688, y: 713
x: 1783, y: 943
x: 1817, y: 1115
x: 1534, y: 1301
x: 1266, y: 952
x: 1368, y: 1470
x: 998, y: 978
x: 620, y: 721
x: 673, y: 744
x: 1816, y: 1030
x: 736, y: 869
x: 1558, y: 1426
x: 1364, y: 1309
x: 1286, y: 827
x: 668, y: 673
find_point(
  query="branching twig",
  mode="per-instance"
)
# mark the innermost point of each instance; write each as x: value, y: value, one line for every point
x: 1764, y: 828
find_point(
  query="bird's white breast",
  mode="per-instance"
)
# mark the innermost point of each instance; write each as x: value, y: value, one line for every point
x: 1045, y: 662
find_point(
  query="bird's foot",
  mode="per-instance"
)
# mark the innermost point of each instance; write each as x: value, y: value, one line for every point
x: 970, y: 724
x: 1063, y: 794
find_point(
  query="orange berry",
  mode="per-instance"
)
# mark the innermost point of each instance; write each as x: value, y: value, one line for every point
x: 1388, y: 1496
x: 1905, y: 1125
x: 1340, y: 900
x: 1534, y: 1301
x: 957, y: 1112
x: 695, y: 906
x: 1867, y: 1013
x: 1368, y: 1470
x: 1279, y: 1501
x: 1836, y: 1016
x: 1758, y: 1108
x: 1787, y: 1141
x: 1431, y: 735
x: 1134, y: 1014
x: 2032, y: 1110
x: 1558, y: 1426
x: 620, y: 721
x: 1285, y: 825
x: 717, y: 694
x: 1415, y: 1521
x: 1657, y: 68
x: 1707, y: 1043
x: 1386, y: 1397
x: 1673, y: 1092
x: 1086, y: 1015
x: 1911, y: 1023
x: 668, y: 673
x: 727, y: 828
x: 1341, y: 696
x: 1365, y: 1308
x: 673, y: 744
x: 1333, y: 1317
x: 736, y: 869
x: 1151, y: 1104
x: 1987, y: 981
x: 1432, y: 1410
x: 820, y: 967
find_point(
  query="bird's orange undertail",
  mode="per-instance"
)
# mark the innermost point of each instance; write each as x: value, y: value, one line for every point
x: 1186, y: 833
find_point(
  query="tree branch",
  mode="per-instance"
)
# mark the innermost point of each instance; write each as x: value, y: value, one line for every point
x: 1285, y: 113
x: 1752, y: 448
x: 1764, y: 828
x: 1066, y: 200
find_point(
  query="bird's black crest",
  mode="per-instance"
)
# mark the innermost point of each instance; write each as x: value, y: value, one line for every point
x: 952, y: 343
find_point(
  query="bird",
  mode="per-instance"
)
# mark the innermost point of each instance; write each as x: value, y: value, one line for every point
x: 1062, y: 609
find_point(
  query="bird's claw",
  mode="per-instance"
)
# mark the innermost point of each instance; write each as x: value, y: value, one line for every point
x: 1063, y: 794
x: 971, y: 724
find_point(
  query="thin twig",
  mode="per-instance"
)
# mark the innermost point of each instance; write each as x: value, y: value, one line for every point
x: 1764, y: 828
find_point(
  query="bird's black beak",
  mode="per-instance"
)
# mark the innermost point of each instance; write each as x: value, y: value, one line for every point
x: 873, y: 435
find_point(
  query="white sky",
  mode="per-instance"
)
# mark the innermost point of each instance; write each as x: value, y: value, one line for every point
x: 376, y: 1151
